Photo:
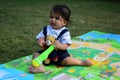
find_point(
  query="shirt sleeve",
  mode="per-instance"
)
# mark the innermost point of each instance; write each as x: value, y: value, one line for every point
x: 66, y: 38
x: 40, y: 35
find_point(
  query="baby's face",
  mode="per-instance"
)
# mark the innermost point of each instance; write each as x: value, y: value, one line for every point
x: 56, y: 21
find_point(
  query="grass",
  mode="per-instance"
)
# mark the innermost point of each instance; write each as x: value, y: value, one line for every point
x: 21, y: 21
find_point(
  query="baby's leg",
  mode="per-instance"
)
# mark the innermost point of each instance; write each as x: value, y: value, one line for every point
x: 35, y: 55
x: 70, y: 61
x: 38, y: 69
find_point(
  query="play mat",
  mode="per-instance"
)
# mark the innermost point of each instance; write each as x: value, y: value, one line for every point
x: 103, y: 49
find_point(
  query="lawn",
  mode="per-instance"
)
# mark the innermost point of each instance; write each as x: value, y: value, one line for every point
x: 21, y: 21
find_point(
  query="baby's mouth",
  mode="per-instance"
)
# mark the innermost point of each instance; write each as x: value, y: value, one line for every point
x: 53, y: 24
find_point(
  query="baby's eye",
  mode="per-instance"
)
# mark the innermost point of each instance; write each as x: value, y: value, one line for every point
x: 57, y: 18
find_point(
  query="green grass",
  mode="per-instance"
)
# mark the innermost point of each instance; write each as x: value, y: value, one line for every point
x: 21, y: 21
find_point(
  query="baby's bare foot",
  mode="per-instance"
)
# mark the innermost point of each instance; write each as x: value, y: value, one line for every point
x: 86, y: 63
x: 36, y: 70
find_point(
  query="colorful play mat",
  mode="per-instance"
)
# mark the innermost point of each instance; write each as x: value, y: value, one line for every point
x: 103, y: 49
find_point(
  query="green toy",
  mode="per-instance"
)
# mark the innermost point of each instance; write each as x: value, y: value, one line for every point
x: 37, y: 61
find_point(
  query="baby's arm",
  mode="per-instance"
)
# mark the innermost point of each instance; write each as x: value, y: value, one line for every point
x: 41, y: 42
x: 61, y: 46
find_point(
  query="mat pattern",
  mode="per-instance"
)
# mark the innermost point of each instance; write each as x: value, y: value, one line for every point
x: 103, y: 49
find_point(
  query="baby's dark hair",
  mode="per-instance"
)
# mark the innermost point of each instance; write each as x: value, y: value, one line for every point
x: 63, y: 11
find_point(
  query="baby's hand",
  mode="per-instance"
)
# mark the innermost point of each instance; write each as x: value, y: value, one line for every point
x: 41, y: 41
x: 57, y: 44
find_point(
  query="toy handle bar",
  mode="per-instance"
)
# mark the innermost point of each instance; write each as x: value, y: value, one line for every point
x: 38, y: 60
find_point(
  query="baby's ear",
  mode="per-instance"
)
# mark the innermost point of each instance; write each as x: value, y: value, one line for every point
x: 66, y: 22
